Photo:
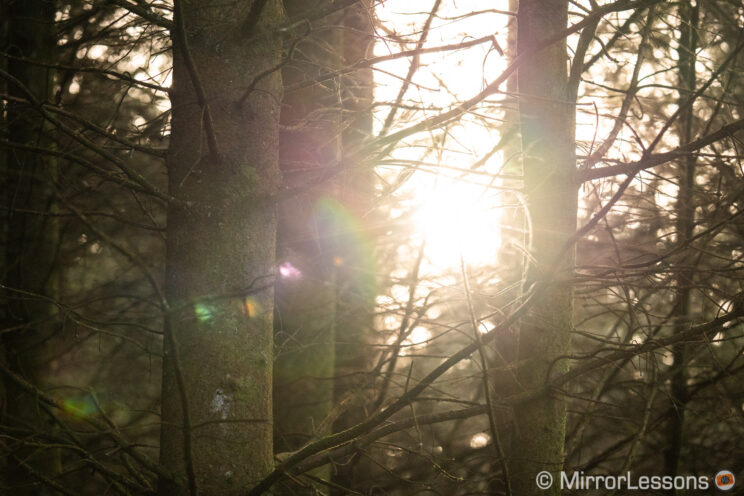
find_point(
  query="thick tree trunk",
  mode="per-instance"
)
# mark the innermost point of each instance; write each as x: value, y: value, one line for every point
x: 31, y: 240
x: 547, y: 121
x: 223, y: 167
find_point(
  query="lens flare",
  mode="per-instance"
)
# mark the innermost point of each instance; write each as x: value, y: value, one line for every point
x: 342, y: 236
x: 81, y: 406
x: 289, y: 271
x: 203, y: 312
x: 251, y: 308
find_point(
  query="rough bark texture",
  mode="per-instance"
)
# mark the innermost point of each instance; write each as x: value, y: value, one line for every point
x: 547, y: 121
x: 221, y: 247
x: 31, y: 239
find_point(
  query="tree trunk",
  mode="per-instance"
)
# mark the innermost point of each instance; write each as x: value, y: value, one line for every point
x: 356, y: 286
x: 513, y: 221
x: 31, y: 240
x: 685, y: 210
x: 547, y: 126
x: 223, y: 168
x: 306, y: 289
x: 327, y: 260
x: 356, y: 283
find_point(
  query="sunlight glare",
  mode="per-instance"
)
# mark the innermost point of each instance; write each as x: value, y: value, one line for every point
x: 418, y: 338
x: 456, y: 219
x: 479, y: 440
x: 455, y: 212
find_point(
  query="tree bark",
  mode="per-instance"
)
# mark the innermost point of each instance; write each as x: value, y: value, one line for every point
x: 547, y: 127
x: 356, y: 283
x: 223, y: 167
x: 319, y: 234
x: 306, y: 288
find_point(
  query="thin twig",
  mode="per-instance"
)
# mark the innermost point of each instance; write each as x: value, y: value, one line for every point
x: 201, y: 97
x: 486, y: 382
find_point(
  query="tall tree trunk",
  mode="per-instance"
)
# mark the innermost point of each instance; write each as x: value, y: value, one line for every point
x: 685, y: 210
x: 547, y: 121
x: 512, y: 222
x: 356, y: 283
x: 32, y: 240
x: 328, y: 282
x: 223, y: 168
x: 306, y: 289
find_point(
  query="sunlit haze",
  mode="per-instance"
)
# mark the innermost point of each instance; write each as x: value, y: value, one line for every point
x: 455, y: 209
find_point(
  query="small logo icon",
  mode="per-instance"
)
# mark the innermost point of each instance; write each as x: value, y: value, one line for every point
x: 725, y: 480
x: 544, y: 480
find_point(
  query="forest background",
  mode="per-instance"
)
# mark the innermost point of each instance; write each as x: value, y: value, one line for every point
x: 369, y: 247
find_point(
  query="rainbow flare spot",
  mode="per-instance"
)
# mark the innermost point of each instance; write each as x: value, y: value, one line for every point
x: 251, y: 307
x: 203, y: 312
x: 81, y: 407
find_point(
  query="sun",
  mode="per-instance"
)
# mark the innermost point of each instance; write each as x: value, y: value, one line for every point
x: 457, y: 219
x: 454, y: 194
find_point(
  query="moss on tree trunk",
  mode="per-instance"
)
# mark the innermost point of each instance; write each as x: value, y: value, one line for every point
x: 223, y: 168
x: 547, y: 127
